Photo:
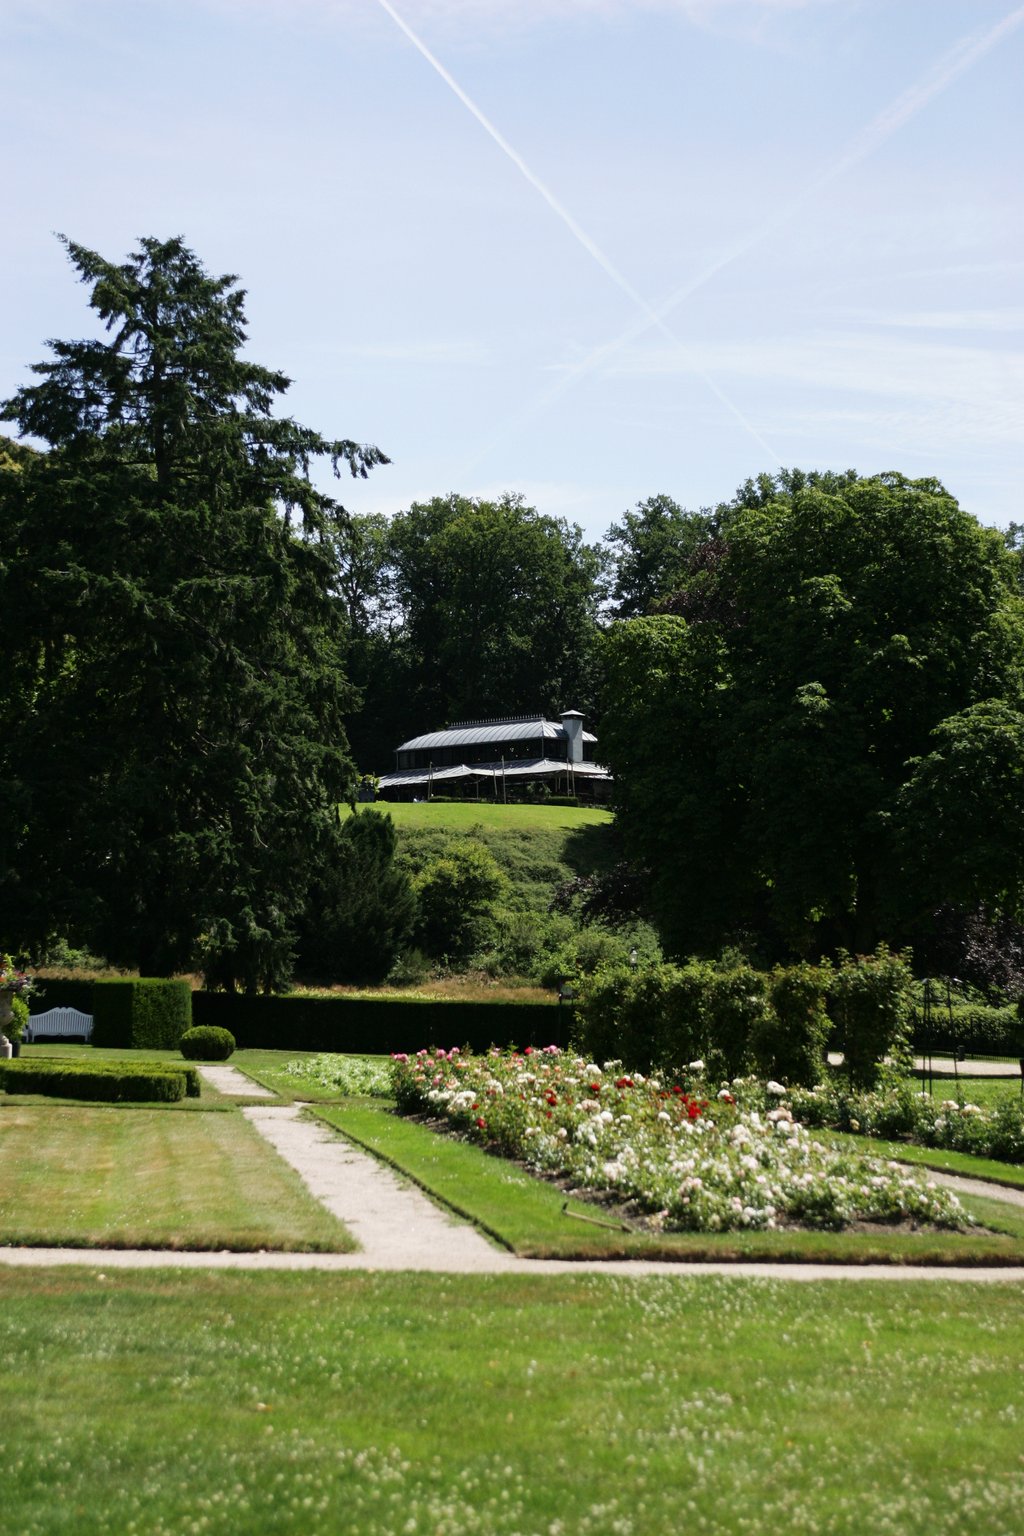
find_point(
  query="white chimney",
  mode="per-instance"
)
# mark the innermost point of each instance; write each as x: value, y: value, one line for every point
x: 572, y: 724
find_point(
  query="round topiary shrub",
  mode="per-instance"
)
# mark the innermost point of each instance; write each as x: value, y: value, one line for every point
x: 207, y: 1043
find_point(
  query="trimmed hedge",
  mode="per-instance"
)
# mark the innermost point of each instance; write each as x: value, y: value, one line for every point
x: 378, y: 1026
x: 975, y: 1030
x: 144, y: 1013
x: 106, y: 1082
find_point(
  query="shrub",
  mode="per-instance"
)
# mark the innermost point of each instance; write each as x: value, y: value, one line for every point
x: 19, y: 1018
x: 457, y: 894
x: 870, y: 1001
x: 790, y: 1040
x: 141, y: 1014
x: 736, y: 1007
x: 376, y: 1025
x: 665, y: 1016
x: 361, y: 909
x: 109, y: 1082
x: 207, y: 1042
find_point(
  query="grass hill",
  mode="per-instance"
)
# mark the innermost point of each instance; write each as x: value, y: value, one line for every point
x: 538, y: 847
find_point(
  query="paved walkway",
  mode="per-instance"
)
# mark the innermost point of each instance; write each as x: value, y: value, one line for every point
x: 399, y: 1228
x: 228, y: 1080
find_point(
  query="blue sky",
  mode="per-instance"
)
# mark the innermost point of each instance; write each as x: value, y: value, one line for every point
x: 588, y: 250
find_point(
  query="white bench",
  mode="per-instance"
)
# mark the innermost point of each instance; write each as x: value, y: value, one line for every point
x: 58, y: 1023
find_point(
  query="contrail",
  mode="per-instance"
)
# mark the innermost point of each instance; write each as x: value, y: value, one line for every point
x: 962, y: 56
x: 651, y: 316
x: 954, y: 62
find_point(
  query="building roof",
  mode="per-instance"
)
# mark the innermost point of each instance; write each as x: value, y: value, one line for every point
x: 474, y: 733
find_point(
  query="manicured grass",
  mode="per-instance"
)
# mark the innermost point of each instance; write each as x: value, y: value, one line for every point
x: 962, y: 1163
x: 126, y: 1177
x: 359, y: 1405
x: 526, y: 1213
x: 984, y: 1091
x: 460, y: 818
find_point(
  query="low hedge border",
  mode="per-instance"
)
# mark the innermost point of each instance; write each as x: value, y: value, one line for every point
x: 107, y: 1082
x: 378, y: 1026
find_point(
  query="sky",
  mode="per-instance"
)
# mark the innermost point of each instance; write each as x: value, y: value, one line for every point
x: 589, y: 251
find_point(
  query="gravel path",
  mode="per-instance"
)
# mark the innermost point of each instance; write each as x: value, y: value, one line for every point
x: 230, y: 1081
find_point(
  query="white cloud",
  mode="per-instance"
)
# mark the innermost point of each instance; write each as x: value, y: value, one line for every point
x: 1002, y: 320
x: 953, y: 394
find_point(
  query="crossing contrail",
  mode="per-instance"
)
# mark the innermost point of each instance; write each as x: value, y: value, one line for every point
x: 651, y: 317
x: 956, y: 61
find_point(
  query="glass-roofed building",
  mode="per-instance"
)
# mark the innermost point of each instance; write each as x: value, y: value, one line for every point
x: 500, y: 756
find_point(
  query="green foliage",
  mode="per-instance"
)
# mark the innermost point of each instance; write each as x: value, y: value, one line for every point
x: 792, y: 1039
x: 206, y: 1042
x: 871, y: 1003
x: 19, y: 1018
x: 650, y: 553
x: 171, y: 638
x: 141, y: 1014
x: 457, y: 893
x: 62, y: 992
x: 765, y: 736
x: 731, y: 1016
x: 972, y: 1028
x: 462, y: 608
x: 111, y: 1082
x: 361, y: 911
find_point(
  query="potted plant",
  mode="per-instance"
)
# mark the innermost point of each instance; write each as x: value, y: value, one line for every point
x: 13, y: 984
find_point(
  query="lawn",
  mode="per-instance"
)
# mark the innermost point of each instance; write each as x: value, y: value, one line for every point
x: 167, y: 1404
x: 460, y: 819
x: 125, y: 1176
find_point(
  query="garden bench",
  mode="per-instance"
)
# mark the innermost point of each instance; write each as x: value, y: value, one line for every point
x: 59, y: 1024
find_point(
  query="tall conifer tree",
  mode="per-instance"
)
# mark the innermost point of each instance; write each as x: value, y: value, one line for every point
x: 175, y: 746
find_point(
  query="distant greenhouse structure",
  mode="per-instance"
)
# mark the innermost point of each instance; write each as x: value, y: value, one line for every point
x: 499, y: 759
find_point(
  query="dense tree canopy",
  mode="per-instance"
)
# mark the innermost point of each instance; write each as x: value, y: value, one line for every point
x: 464, y: 608
x: 789, y: 758
x: 173, y: 648
x: 649, y: 554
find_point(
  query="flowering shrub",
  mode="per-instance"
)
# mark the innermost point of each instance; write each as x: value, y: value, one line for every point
x: 13, y: 980
x: 695, y: 1158
x: 900, y: 1110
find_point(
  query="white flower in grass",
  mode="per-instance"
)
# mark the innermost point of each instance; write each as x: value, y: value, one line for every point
x: 775, y: 1088
x: 696, y: 1066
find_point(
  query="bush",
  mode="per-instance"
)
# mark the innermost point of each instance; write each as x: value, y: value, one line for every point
x: 665, y: 1016
x: 207, y: 1042
x: 107, y: 1082
x: 19, y: 1018
x: 790, y: 1041
x: 970, y: 1027
x: 735, y: 1009
x: 457, y: 894
x: 361, y: 910
x: 141, y: 1014
x: 871, y: 1004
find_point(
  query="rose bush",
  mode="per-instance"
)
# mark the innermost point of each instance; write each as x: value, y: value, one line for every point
x: 694, y: 1157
